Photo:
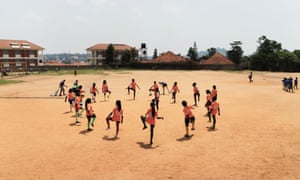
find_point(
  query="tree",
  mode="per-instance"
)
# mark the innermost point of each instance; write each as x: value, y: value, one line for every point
x: 126, y: 56
x: 287, y: 61
x: 236, y: 52
x: 297, y: 53
x: 192, y: 54
x: 110, y: 51
x: 133, y: 54
x: 155, y: 54
x: 266, y: 56
x: 211, y: 51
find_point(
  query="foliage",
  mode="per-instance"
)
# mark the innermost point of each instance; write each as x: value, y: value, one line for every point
x: 211, y: 51
x: 192, y: 54
x: 155, y: 55
x: 126, y: 56
x: 236, y: 52
x: 271, y: 57
x: 110, y: 51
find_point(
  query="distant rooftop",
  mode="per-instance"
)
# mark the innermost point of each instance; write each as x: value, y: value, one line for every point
x: 18, y: 44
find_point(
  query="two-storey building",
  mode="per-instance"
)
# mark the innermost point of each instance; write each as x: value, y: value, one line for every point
x: 17, y: 54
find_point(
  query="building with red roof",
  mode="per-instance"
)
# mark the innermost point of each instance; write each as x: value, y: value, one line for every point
x: 217, y: 59
x: 168, y: 57
x: 97, y: 55
x: 19, y: 54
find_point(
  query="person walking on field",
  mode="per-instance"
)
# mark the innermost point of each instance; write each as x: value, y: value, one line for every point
x: 62, y: 88
x: 188, y: 118
x: 117, y: 116
x: 250, y: 77
x: 150, y: 117
x: 132, y: 86
x: 296, y: 83
x: 174, y: 91
x: 196, y: 94
x: 90, y: 114
x: 94, y: 91
x: 214, y: 109
x: 106, y: 92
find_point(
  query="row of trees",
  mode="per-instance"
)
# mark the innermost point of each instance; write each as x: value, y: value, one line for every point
x: 269, y: 56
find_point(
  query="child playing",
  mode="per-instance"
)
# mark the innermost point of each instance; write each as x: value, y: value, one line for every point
x: 164, y: 85
x: 150, y: 117
x: 132, y: 86
x: 94, y: 91
x: 70, y: 97
x: 188, y: 118
x: 214, y: 108
x: 174, y: 91
x: 116, y: 115
x: 208, y: 103
x: 196, y: 93
x: 90, y: 114
x: 77, y: 106
x: 105, y: 90
x: 153, y: 88
x: 156, y: 98
x: 214, y: 92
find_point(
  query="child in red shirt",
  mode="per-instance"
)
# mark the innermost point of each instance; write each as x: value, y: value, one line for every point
x: 196, y: 93
x: 150, y: 117
x: 70, y: 97
x: 214, y: 109
x: 174, y: 91
x: 105, y: 90
x: 90, y: 114
x: 188, y: 117
x: 94, y: 91
x: 116, y: 115
x: 132, y: 86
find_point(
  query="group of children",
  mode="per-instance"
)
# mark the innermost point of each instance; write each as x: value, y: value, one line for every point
x: 76, y: 95
x: 289, y: 84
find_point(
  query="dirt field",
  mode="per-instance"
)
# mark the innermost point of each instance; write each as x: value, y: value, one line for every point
x: 257, y: 136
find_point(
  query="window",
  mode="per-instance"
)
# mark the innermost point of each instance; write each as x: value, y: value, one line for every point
x: 14, y: 45
x: 32, y: 54
x: 5, y: 54
x: 18, y: 55
x: 5, y: 63
x: 31, y: 62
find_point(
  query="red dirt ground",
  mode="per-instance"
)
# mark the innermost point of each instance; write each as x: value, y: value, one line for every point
x: 257, y: 136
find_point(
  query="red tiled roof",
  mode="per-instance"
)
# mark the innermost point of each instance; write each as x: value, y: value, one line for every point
x: 18, y: 44
x: 120, y: 47
x: 217, y: 59
x: 167, y: 57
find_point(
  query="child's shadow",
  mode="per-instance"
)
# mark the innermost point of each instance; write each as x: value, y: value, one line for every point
x: 85, y: 131
x: 185, y: 138
x: 147, y: 146
x: 110, y: 138
x: 67, y: 112
x: 74, y: 124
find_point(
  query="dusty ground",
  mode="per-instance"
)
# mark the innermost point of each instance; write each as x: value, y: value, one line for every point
x: 257, y: 136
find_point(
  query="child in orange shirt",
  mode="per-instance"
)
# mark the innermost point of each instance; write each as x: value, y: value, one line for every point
x: 153, y: 88
x: 150, y: 117
x: 208, y: 103
x: 116, y: 115
x: 105, y: 90
x: 214, y: 109
x: 214, y: 93
x: 90, y: 114
x: 94, y: 91
x: 196, y: 93
x: 132, y: 86
x: 188, y: 117
x: 70, y: 97
x: 77, y: 106
x: 174, y: 91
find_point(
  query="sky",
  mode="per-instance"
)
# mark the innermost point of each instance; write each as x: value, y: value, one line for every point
x: 72, y: 26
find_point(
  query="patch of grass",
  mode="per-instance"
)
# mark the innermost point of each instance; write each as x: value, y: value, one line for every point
x: 79, y: 72
x: 4, y: 81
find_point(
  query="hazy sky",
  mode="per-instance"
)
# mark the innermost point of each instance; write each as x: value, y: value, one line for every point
x: 74, y: 25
